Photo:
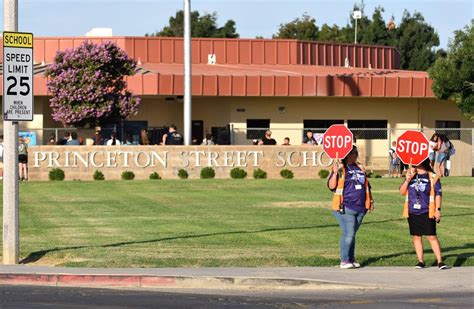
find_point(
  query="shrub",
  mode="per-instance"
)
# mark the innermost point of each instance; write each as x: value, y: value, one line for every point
x: 183, y: 174
x: 287, y: 174
x: 323, y: 174
x: 370, y: 174
x: 128, y: 175
x: 98, y: 175
x: 259, y: 174
x: 207, y: 173
x: 56, y: 174
x: 377, y: 175
x: 238, y: 173
x: 154, y: 176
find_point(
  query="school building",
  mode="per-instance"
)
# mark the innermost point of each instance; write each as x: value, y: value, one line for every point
x: 241, y: 87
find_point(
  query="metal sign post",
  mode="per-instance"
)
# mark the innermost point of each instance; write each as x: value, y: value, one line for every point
x: 17, y: 105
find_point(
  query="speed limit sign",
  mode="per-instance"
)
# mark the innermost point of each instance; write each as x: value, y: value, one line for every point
x: 17, y: 76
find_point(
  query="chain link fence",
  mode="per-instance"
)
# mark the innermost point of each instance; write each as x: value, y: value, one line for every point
x: 375, y: 141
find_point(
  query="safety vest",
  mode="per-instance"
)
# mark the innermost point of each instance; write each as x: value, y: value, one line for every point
x: 338, y: 198
x: 431, y: 214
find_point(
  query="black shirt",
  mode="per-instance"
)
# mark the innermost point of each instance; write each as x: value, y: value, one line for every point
x: 269, y: 141
x: 174, y: 138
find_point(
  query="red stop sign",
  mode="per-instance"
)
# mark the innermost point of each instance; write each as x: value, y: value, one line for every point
x: 412, y: 147
x: 337, y: 141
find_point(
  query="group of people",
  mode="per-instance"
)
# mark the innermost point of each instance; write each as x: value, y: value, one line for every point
x: 353, y: 199
x: 440, y: 151
x: 310, y: 139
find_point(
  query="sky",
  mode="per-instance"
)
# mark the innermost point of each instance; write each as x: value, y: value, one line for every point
x: 253, y: 18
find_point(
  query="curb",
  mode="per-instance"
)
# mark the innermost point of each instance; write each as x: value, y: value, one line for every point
x: 150, y: 281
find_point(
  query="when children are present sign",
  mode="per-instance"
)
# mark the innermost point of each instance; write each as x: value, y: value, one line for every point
x: 17, y: 76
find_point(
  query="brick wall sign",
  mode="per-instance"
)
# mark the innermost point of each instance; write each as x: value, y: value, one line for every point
x: 80, y: 162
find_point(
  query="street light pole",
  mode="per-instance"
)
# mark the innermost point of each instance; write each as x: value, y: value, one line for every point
x: 355, y: 34
x: 187, y: 73
x: 10, y: 162
x: 357, y: 14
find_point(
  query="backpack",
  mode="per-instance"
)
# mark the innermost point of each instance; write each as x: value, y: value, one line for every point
x: 450, y: 147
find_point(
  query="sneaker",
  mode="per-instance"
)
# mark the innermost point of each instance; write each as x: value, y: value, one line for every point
x: 356, y: 265
x: 442, y: 266
x: 420, y: 265
x: 346, y: 265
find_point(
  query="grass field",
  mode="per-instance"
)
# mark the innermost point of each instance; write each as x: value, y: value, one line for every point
x: 224, y: 223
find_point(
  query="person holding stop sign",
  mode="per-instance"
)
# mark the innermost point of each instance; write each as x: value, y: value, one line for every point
x: 422, y: 191
x: 352, y: 199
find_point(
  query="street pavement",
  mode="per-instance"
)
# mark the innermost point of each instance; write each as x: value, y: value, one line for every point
x: 73, y: 297
x: 270, y: 287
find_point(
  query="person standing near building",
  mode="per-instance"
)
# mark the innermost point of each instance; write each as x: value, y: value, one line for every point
x: 443, y: 150
x: 422, y: 208
x: 113, y: 141
x: 73, y: 141
x: 23, y: 159
x: 173, y: 137
x: 432, y: 148
x: 352, y: 199
x: 268, y: 140
x: 309, y: 139
x: 394, y: 161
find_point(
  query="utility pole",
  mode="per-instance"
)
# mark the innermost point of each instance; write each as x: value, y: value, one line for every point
x: 10, y: 162
x: 187, y: 73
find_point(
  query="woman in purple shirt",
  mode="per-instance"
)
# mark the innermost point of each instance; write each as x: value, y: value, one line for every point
x: 422, y: 190
x: 352, y: 199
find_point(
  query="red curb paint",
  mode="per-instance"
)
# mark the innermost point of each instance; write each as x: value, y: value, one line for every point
x: 98, y: 280
x: 28, y: 279
x: 157, y: 281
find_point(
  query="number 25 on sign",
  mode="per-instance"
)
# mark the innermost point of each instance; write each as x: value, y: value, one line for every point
x: 17, y: 76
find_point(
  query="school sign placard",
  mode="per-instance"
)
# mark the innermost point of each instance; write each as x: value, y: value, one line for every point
x: 17, y: 76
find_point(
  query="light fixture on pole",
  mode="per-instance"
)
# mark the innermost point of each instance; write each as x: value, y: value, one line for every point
x: 357, y: 14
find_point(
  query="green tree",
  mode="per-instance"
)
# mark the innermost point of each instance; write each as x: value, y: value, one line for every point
x: 416, y: 42
x: 376, y: 32
x: 201, y: 26
x: 331, y: 34
x: 303, y: 28
x: 453, y: 75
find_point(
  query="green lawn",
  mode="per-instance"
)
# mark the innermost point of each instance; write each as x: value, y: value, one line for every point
x: 171, y: 223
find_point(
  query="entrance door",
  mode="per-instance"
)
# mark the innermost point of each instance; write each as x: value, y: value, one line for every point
x: 198, y: 131
x: 132, y: 130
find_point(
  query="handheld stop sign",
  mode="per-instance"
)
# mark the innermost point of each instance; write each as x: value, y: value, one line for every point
x: 412, y: 147
x: 337, y: 141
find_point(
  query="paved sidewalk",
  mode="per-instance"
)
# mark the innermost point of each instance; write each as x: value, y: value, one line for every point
x: 456, y: 279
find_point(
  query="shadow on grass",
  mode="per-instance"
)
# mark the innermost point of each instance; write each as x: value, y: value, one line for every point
x: 460, y: 258
x: 37, y: 255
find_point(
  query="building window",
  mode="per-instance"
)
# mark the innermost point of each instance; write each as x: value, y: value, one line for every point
x: 451, y: 128
x: 319, y: 126
x: 368, y: 129
x: 256, y: 128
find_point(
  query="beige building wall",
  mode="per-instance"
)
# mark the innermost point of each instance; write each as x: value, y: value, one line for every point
x: 288, y: 113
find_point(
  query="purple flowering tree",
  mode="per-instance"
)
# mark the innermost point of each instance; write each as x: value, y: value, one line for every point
x: 88, y: 85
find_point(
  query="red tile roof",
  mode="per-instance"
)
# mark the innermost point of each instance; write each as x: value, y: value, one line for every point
x: 280, y: 80
x: 251, y: 67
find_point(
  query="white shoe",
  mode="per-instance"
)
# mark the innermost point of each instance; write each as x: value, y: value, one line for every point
x: 356, y: 265
x: 346, y: 265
